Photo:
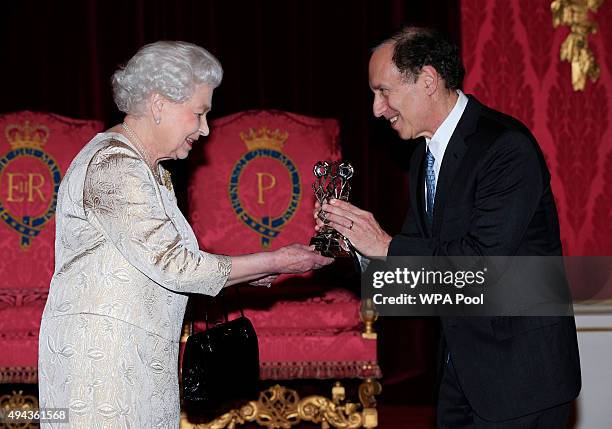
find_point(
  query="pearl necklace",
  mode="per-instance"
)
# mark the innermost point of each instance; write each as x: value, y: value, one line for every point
x: 133, y: 138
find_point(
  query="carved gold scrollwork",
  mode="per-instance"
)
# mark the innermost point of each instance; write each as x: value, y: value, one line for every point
x: 19, y: 401
x: 575, y: 47
x: 319, y: 409
x: 282, y: 408
x: 368, y: 391
x: 277, y: 408
x: 229, y: 420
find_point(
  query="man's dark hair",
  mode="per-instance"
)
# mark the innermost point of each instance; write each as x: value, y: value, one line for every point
x: 416, y: 47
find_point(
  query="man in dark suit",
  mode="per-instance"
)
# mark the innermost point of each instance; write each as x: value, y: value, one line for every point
x: 479, y: 185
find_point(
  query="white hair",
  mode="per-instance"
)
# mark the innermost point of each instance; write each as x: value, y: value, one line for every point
x: 172, y: 69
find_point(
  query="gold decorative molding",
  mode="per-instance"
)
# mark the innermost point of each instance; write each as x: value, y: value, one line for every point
x: 19, y: 401
x: 282, y: 408
x: 575, y: 47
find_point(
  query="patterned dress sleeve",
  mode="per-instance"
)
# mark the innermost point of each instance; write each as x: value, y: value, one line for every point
x: 123, y: 202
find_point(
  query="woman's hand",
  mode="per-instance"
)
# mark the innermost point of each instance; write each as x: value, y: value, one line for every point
x: 261, y: 268
x: 298, y: 258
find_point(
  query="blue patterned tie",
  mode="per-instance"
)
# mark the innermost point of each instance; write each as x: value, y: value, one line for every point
x: 430, y: 182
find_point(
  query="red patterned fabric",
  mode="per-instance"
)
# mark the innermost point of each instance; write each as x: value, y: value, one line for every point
x: 512, y: 56
x: 329, y: 310
x: 35, y: 151
x: 252, y: 191
x: 217, y: 224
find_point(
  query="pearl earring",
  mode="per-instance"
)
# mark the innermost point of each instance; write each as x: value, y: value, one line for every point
x: 157, y: 121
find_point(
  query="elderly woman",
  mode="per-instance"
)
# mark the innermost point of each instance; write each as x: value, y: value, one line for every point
x: 126, y: 258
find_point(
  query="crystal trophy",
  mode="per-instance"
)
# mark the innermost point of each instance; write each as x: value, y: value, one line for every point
x: 332, y: 180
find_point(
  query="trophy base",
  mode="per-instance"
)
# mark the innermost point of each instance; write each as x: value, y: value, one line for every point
x: 331, y: 246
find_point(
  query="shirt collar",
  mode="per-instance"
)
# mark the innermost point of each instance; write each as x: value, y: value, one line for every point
x: 439, y: 141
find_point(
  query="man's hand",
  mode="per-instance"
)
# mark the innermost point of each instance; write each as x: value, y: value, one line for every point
x: 359, y: 226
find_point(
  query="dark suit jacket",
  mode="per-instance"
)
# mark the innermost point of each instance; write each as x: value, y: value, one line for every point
x: 493, y: 197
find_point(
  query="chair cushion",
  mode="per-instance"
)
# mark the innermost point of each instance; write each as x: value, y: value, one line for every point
x: 318, y: 355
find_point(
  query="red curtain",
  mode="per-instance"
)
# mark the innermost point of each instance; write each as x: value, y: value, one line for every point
x: 511, y: 53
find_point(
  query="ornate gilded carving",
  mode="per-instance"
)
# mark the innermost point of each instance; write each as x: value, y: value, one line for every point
x: 368, y: 391
x: 277, y: 408
x: 229, y: 420
x: 282, y: 408
x: 575, y: 47
x: 19, y: 401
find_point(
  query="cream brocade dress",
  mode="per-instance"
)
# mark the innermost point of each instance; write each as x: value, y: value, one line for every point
x: 125, y: 257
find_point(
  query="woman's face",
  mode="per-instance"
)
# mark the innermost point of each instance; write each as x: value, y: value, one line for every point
x: 183, y: 123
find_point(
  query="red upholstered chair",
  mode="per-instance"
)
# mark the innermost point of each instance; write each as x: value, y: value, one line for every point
x: 35, y: 152
x: 251, y: 190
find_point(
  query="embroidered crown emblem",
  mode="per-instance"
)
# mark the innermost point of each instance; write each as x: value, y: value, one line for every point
x: 26, y: 135
x: 264, y: 138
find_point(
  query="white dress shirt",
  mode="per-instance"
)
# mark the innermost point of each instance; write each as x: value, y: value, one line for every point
x: 439, y: 141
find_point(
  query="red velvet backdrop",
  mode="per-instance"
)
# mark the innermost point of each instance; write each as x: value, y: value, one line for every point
x: 511, y: 52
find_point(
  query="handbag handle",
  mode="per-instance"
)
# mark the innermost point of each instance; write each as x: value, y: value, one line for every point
x: 221, y: 296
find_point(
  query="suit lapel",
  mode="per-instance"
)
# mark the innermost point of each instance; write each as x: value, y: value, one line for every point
x: 453, y: 156
x: 417, y: 190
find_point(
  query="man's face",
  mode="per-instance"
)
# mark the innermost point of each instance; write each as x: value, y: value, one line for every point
x: 402, y: 103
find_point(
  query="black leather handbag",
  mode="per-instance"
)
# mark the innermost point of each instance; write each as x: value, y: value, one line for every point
x: 221, y: 363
